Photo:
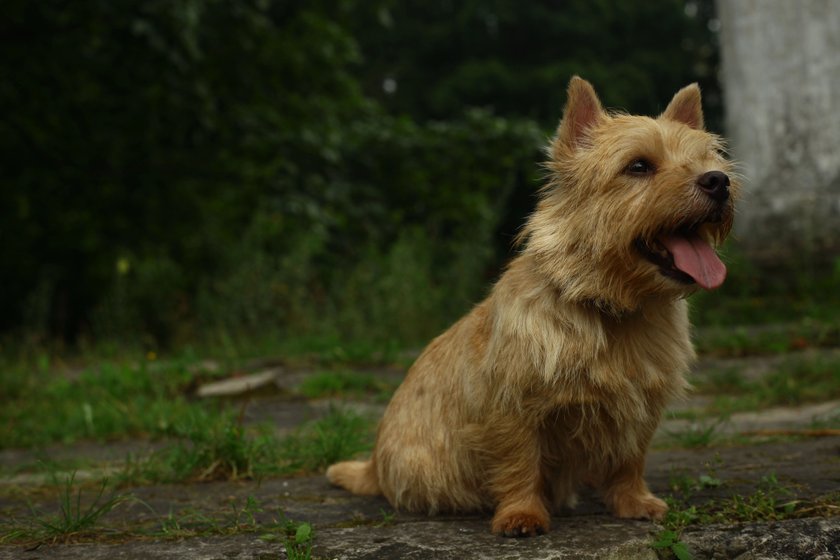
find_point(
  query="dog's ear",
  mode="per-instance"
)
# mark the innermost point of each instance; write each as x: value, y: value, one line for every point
x: 583, y: 110
x: 686, y: 108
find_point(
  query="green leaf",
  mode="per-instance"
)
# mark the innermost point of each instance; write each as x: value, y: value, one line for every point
x: 269, y: 537
x: 707, y: 481
x: 303, y: 533
x: 666, y: 539
x: 681, y: 551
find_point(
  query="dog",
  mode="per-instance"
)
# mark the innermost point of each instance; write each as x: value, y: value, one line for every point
x: 559, y: 378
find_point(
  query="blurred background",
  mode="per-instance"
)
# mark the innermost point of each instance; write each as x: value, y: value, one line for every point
x: 281, y: 176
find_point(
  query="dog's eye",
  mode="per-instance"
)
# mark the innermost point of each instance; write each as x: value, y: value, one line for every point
x: 640, y: 167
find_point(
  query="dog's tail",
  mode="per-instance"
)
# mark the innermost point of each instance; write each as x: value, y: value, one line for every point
x: 357, y: 476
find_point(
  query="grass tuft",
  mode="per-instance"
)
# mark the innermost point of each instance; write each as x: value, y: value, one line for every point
x: 298, y: 543
x: 339, y: 435
x: 208, y: 447
x: 75, y: 519
x: 221, y: 448
x: 697, y: 434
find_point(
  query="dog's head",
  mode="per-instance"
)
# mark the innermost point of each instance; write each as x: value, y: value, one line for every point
x: 635, y: 206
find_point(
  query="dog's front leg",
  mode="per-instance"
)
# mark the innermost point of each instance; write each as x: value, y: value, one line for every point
x: 627, y: 495
x: 516, y: 480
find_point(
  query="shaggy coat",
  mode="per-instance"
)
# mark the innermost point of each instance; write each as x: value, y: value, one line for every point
x: 560, y: 377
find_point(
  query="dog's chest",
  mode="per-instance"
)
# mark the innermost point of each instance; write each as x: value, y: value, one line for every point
x: 610, y: 407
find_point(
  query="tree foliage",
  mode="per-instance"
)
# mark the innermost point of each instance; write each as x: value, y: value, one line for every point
x: 174, y: 166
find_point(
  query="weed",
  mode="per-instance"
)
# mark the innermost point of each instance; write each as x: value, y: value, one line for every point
x: 388, y: 518
x: 208, y: 447
x: 697, y: 434
x: 770, y: 501
x: 670, y: 540
x: 298, y: 542
x: 766, y: 503
x: 220, y: 448
x: 73, y: 519
x: 360, y: 520
x: 189, y: 523
x: 686, y: 485
x: 172, y: 526
x: 338, y: 435
x: 244, y: 518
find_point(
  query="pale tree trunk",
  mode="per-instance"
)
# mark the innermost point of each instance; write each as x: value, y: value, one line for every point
x: 781, y: 79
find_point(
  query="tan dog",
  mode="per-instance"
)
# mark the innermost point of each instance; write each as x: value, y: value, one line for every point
x: 560, y: 376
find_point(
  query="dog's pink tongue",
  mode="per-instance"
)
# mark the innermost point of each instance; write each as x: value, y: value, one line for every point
x: 694, y: 256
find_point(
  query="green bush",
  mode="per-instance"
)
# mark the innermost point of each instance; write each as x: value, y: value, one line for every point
x: 395, y: 263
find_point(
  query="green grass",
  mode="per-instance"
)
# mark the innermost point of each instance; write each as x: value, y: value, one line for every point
x: 109, y: 402
x: 338, y: 435
x: 76, y: 518
x: 220, y: 448
x: 345, y: 383
x: 205, y: 439
x: 43, y: 464
x: 190, y: 522
x: 78, y: 523
x: 738, y: 340
x: 762, y: 311
x: 208, y: 447
x: 324, y: 349
x: 795, y: 381
x: 697, y: 434
x: 670, y: 540
x: 770, y: 501
x: 298, y: 543
x: 752, y: 295
x: 386, y: 519
x: 295, y: 537
x: 73, y: 518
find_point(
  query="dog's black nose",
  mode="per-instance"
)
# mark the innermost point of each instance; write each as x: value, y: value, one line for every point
x: 715, y: 184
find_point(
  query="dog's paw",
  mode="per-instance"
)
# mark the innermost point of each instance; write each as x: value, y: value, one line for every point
x: 645, y: 506
x: 520, y: 524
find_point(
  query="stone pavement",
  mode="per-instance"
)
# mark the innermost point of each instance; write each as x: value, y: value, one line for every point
x: 355, y: 528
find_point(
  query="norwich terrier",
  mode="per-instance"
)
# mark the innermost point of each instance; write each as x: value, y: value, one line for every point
x: 559, y: 378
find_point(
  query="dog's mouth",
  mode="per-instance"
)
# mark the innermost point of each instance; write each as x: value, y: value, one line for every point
x: 685, y: 255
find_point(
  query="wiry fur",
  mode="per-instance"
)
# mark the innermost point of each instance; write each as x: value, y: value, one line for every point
x: 559, y: 378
